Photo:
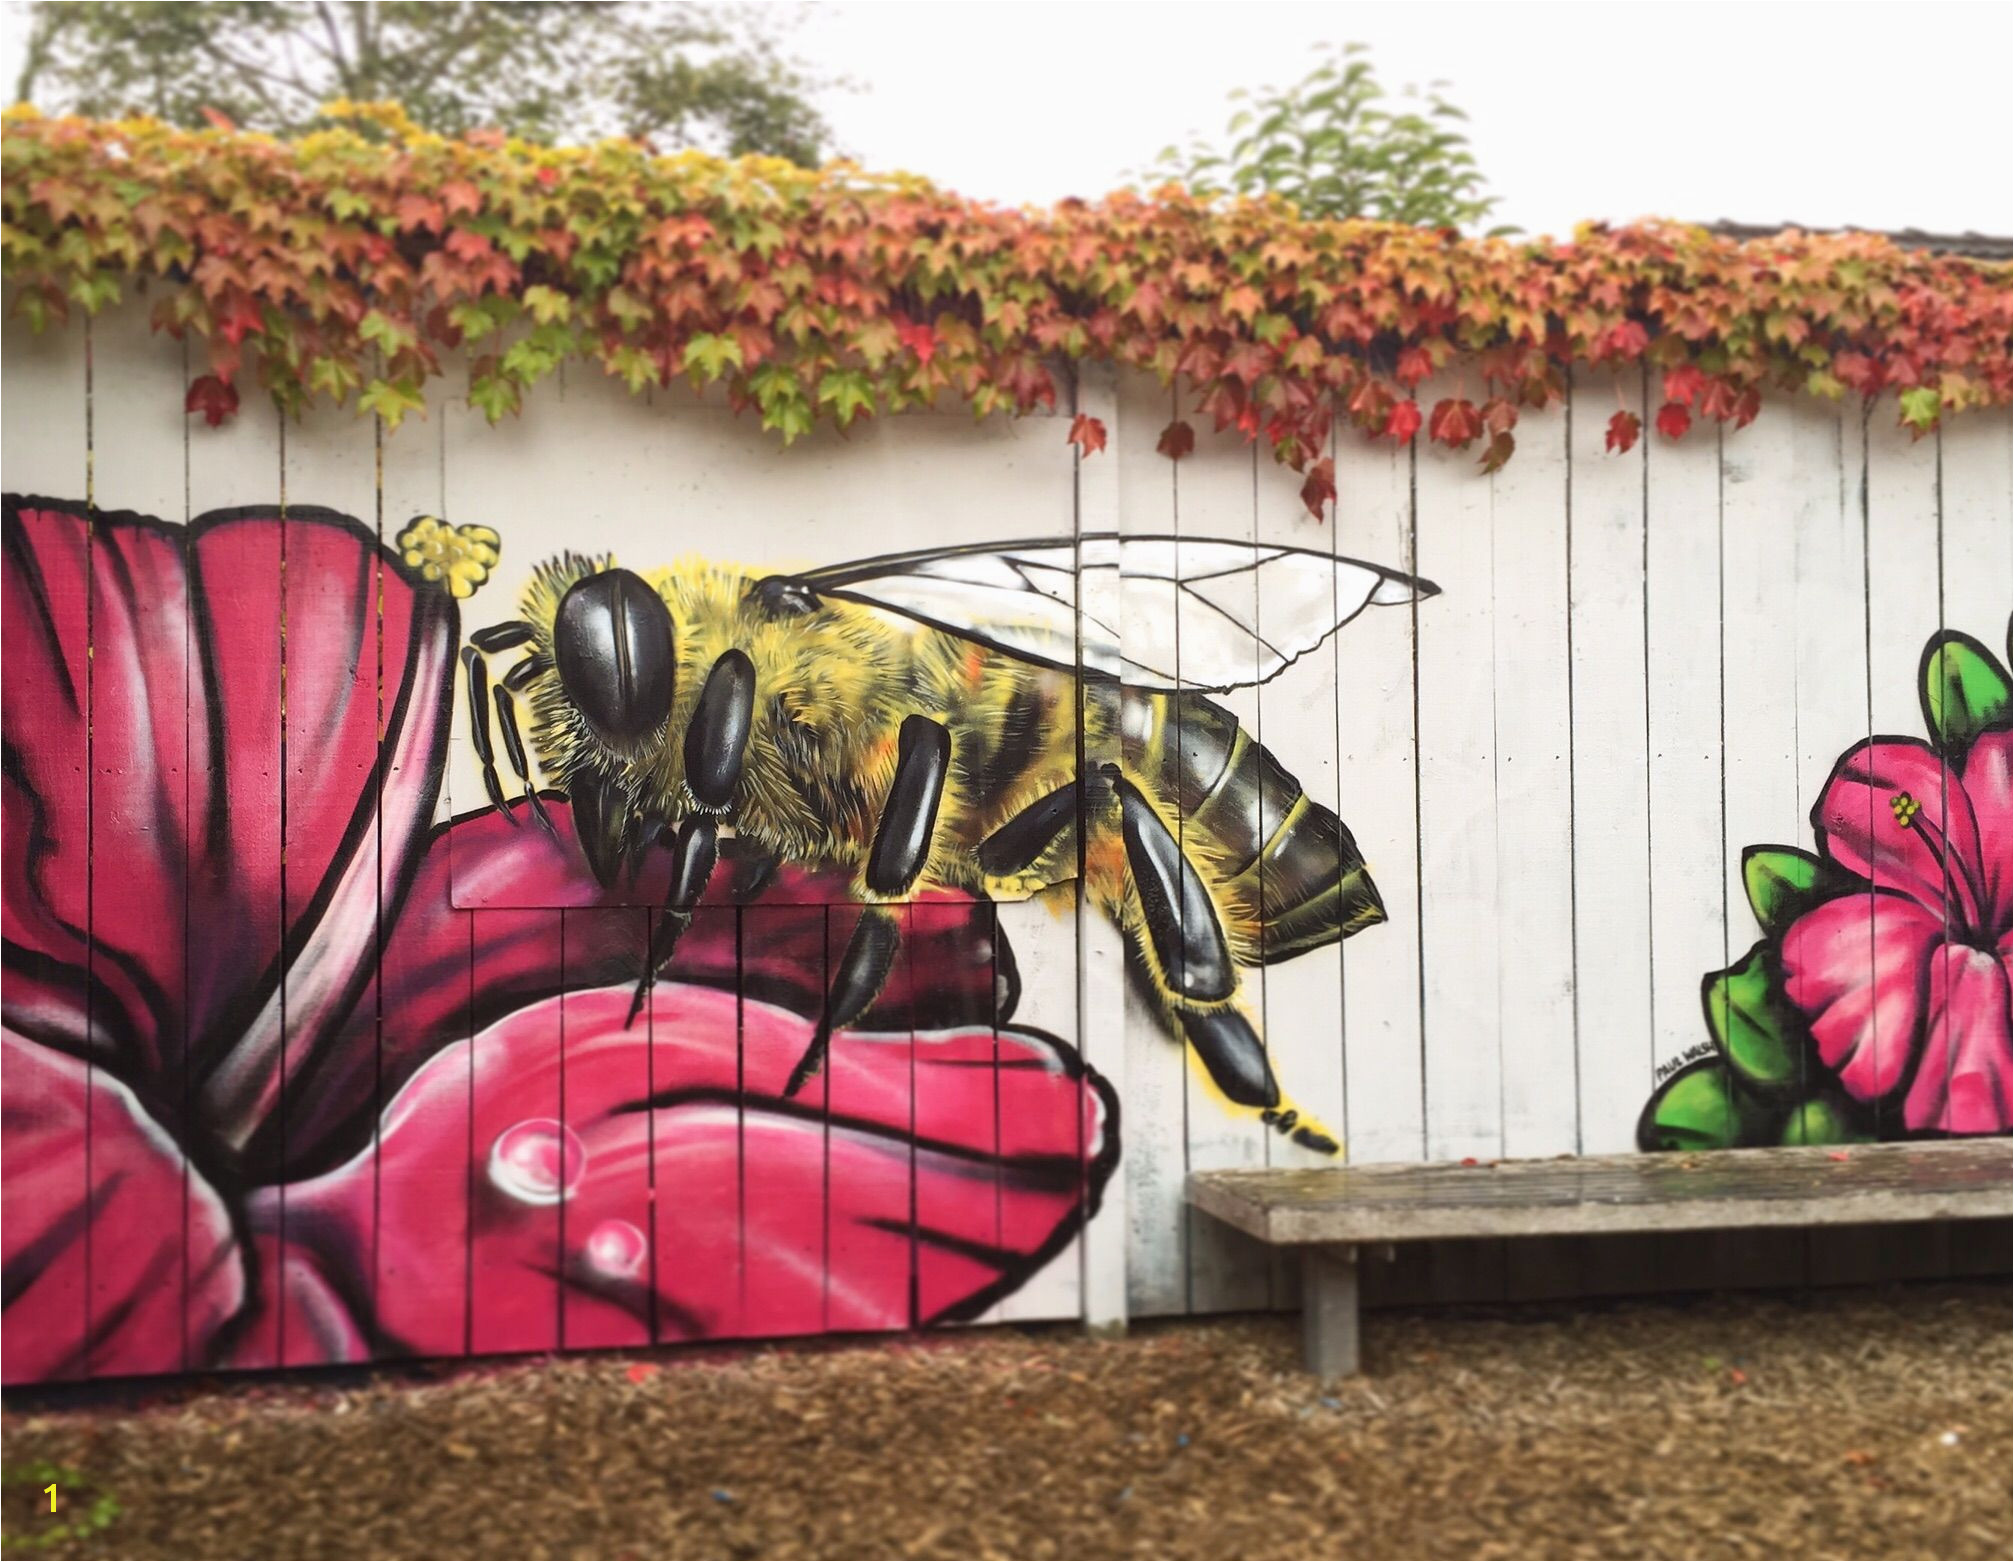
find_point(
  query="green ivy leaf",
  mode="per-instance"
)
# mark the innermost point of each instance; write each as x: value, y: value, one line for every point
x: 1784, y: 882
x: 391, y: 400
x: 1822, y: 1120
x: 708, y: 357
x: 1758, y: 1035
x: 1965, y: 690
x: 494, y: 395
x: 1700, y: 1108
x: 1920, y: 407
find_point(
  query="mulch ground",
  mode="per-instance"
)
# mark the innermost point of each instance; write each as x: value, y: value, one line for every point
x: 1856, y: 1423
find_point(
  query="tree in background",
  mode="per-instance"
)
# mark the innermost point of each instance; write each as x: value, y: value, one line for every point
x: 1337, y: 146
x: 712, y: 75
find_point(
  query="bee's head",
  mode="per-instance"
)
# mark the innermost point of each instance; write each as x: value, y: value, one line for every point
x: 612, y: 644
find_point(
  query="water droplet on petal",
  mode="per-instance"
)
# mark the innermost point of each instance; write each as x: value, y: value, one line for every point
x: 537, y: 1161
x: 615, y: 1247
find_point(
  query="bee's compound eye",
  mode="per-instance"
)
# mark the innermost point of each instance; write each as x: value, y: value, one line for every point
x: 612, y: 644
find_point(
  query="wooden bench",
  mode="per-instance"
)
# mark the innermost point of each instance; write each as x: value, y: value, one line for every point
x: 1329, y: 1212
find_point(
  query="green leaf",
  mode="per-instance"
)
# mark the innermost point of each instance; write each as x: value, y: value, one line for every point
x: 493, y: 395
x: 1822, y: 1120
x: 391, y: 400
x: 1965, y: 690
x: 1920, y: 407
x: 708, y: 357
x: 547, y: 304
x: 847, y: 393
x: 1784, y: 882
x: 1758, y: 1034
x: 1700, y: 1108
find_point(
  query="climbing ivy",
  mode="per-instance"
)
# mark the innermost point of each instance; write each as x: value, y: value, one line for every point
x: 355, y: 265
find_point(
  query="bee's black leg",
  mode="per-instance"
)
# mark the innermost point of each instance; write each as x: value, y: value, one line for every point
x: 1189, y: 944
x: 1022, y: 840
x: 501, y: 637
x: 870, y: 953
x: 1195, y: 958
x: 479, y: 726
x: 514, y: 747
x: 717, y: 739
x: 909, y: 816
x: 694, y: 850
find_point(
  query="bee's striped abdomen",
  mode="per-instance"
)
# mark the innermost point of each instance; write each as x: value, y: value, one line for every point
x: 1282, y: 865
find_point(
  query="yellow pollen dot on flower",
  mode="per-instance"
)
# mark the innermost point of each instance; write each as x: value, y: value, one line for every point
x: 462, y: 556
x: 1905, y: 809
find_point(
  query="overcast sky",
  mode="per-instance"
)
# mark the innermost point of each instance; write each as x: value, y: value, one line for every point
x: 1883, y: 116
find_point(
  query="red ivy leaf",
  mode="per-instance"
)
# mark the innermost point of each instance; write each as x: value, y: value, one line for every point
x: 919, y: 339
x: 1404, y: 421
x: 1627, y: 340
x: 216, y: 119
x: 1087, y: 433
x: 1497, y: 452
x: 1623, y: 431
x: 213, y: 398
x: 1455, y: 424
x: 1177, y: 440
x: 1414, y: 366
x: 1320, y: 488
x: 1673, y: 420
x: 1683, y: 383
x: 1499, y: 415
x: 1716, y: 400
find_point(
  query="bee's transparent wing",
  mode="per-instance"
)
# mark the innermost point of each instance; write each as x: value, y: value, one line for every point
x: 1021, y: 597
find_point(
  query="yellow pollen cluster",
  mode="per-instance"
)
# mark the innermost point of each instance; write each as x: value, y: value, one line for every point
x: 1905, y: 809
x: 460, y: 556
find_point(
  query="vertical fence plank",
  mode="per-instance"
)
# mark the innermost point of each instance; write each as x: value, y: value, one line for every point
x: 1303, y: 1018
x: 697, y: 1168
x: 331, y: 605
x: 604, y: 1231
x: 870, y: 1213
x: 1101, y: 949
x: 1228, y: 1271
x: 407, y: 1280
x: 783, y: 1183
x: 1682, y: 596
x: 1614, y: 878
x: 1534, y: 786
x: 1904, y: 607
x: 521, y: 1156
x: 1761, y: 510
x: 44, y: 446
x: 1154, y: 1126
x: 142, y: 738
x: 236, y: 881
x: 1462, y: 954
x: 1461, y: 957
x: 1043, y: 942
x: 1377, y: 785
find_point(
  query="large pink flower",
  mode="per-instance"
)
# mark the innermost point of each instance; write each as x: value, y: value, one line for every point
x: 271, y: 1097
x: 1906, y: 983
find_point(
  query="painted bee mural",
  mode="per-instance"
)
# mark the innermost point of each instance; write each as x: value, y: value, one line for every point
x: 921, y: 721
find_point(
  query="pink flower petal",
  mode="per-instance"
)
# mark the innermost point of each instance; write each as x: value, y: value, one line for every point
x: 119, y: 1259
x: 187, y: 779
x: 1962, y: 1085
x: 625, y: 1184
x: 436, y: 951
x: 1857, y: 826
x: 1855, y: 967
x: 1989, y: 785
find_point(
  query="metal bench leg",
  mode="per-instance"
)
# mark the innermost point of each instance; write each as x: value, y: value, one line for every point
x: 1329, y: 1332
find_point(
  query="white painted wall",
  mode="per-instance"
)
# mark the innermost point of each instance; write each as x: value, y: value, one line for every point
x: 1637, y: 665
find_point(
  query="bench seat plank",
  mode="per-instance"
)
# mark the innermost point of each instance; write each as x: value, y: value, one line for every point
x: 1727, y: 1189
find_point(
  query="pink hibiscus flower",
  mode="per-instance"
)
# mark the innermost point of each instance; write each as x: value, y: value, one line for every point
x: 270, y: 1097
x: 1906, y: 984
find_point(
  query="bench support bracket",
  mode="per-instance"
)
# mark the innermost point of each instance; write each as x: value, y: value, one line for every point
x: 1329, y: 1329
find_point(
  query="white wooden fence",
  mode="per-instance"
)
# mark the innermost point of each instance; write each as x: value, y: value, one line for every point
x: 1637, y: 665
